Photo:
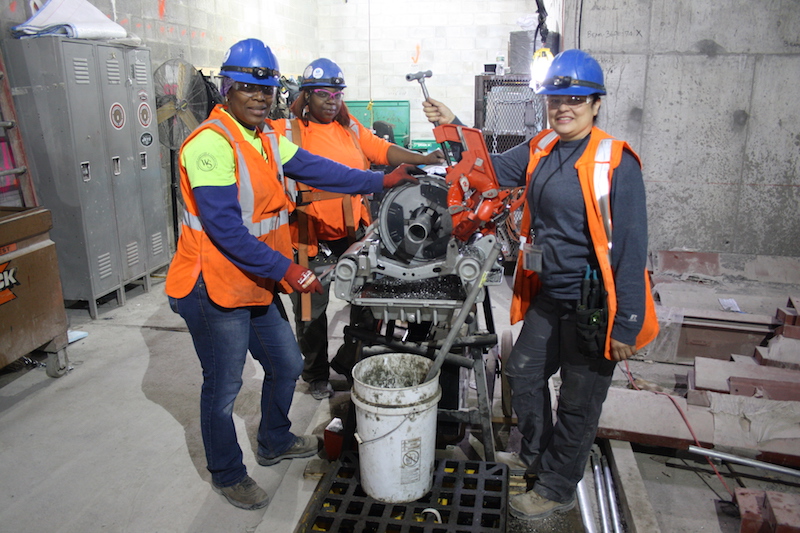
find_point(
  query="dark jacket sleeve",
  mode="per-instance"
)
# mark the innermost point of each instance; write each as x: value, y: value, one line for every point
x: 328, y: 175
x: 629, y: 248
x: 221, y: 216
x: 510, y: 166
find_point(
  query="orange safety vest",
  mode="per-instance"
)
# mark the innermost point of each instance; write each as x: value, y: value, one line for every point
x: 328, y: 219
x: 265, y: 213
x: 595, y: 168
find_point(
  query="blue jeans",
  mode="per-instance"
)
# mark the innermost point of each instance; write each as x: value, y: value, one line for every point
x: 557, y: 453
x: 222, y: 338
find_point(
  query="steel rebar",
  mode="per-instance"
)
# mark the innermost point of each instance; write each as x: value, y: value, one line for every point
x: 585, y: 504
x: 600, y: 490
x: 744, y: 461
x: 612, y: 497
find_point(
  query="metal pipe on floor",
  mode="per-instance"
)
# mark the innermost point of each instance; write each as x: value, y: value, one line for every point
x: 744, y: 461
x: 600, y: 489
x: 612, y: 497
x: 585, y: 504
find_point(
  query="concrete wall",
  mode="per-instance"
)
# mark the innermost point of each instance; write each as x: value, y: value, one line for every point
x: 200, y: 31
x: 376, y: 42
x: 704, y: 91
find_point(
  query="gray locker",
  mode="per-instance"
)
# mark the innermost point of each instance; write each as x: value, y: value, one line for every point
x: 86, y: 112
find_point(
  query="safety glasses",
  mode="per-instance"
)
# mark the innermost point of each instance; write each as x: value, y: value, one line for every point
x: 325, y: 94
x: 554, y: 102
x: 250, y: 89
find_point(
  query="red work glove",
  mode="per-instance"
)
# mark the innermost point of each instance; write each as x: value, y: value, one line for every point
x: 401, y: 175
x: 302, y: 279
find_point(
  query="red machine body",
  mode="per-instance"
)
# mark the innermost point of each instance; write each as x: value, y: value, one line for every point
x: 475, y: 200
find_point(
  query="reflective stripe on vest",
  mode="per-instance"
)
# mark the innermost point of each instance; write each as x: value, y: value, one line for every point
x: 258, y: 229
x: 547, y: 139
x: 246, y: 194
x: 289, y: 184
x: 602, y: 185
x: 542, y: 144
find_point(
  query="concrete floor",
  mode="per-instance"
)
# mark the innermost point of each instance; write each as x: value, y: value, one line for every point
x: 114, y: 445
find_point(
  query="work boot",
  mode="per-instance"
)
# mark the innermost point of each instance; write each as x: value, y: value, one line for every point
x: 320, y: 389
x: 304, y: 446
x: 245, y: 495
x: 532, y: 506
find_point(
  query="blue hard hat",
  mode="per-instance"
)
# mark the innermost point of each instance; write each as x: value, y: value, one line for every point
x: 251, y: 61
x: 322, y: 72
x: 573, y: 72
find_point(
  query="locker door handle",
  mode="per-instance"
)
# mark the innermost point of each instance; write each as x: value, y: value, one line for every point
x: 86, y: 171
x: 143, y: 160
x: 116, y: 166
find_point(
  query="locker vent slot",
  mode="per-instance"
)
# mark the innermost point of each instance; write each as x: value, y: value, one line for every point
x: 157, y: 243
x: 114, y: 75
x: 140, y: 73
x: 104, y: 264
x: 80, y: 68
x: 132, y: 251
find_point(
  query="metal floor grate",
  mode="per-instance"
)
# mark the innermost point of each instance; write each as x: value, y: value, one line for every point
x: 470, y: 496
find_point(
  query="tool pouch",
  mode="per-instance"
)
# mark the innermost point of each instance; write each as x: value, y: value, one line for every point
x: 592, y: 324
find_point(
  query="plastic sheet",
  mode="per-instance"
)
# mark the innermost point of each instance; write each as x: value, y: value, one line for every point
x: 74, y: 18
x: 665, y: 347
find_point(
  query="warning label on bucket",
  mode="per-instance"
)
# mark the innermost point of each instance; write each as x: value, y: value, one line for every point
x: 409, y: 470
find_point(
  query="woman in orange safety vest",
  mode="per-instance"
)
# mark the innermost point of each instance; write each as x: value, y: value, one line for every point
x: 581, y: 284
x: 325, y: 127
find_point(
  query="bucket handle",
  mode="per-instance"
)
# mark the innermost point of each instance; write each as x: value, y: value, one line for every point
x: 360, y: 441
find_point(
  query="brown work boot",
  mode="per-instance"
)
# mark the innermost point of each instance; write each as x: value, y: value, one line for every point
x: 532, y: 506
x: 304, y: 446
x: 245, y: 495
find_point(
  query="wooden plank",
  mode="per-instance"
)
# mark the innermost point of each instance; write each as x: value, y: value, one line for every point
x: 782, y: 511
x: 782, y: 352
x: 698, y: 397
x: 711, y: 340
x: 770, y: 390
x: 639, y: 514
x: 760, y: 353
x: 786, y: 315
x: 791, y: 331
x: 748, y: 359
x: 713, y: 374
x: 727, y: 318
x: 652, y: 419
x: 751, y: 510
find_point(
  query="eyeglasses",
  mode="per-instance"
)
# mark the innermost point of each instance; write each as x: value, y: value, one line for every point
x: 251, y: 89
x: 554, y: 102
x: 325, y: 94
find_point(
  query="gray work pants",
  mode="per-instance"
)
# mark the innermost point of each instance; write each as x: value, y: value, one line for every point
x: 557, y: 453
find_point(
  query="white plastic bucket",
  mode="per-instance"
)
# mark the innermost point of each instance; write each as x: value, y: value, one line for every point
x: 396, y: 425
